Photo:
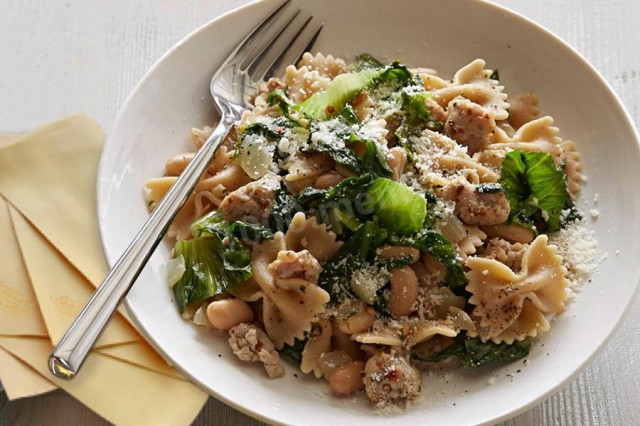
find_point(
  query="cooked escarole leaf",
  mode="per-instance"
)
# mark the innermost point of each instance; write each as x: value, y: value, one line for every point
x: 397, y: 207
x: 340, y: 206
x: 373, y: 160
x: 349, y: 115
x: 211, y: 267
x: 332, y: 137
x: 271, y: 129
x: 210, y: 224
x: 416, y: 116
x: 294, y: 351
x: 285, y: 206
x: 432, y: 242
x: 250, y: 232
x: 343, y: 88
x: 337, y: 137
x: 366, y: 61
x: 280, y: 98
x: 348, y: 189
x: 536, y: 189
x: 472, y: 352
x: 335, y: 276
x: 396, y: 73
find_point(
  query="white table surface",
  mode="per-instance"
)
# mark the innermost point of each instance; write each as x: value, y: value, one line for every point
x: 59, y: 57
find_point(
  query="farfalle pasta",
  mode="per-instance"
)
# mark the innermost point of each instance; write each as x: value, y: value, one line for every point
x: 512, y: 306
x: 368, y: 221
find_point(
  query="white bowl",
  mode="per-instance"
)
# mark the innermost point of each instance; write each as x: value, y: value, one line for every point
x: 441, y: 34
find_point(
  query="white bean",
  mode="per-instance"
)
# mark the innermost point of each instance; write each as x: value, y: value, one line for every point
x: 359, y: 322
x: 404, y: 291
x: 392, y: 252
x: 227, y: 313
x: 347, y: 378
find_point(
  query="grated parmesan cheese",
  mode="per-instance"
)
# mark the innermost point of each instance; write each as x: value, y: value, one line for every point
x: 579, y: 250
x: 366, y: 282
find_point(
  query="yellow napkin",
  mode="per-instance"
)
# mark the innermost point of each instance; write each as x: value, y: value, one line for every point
x: 60, y: 289
x: 55, y: 163
x: 120, y: 392
x: 17, y: 301
x: 19, y: 380
x: 49, y: 174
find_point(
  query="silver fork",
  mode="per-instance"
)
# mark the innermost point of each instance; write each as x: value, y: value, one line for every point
x: 268, y: 47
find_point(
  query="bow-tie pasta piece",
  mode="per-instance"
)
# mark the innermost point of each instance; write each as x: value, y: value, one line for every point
x: 291, y: 301
x: 313, y: 74
x: 473, y: 82
x: 512, y: 306
x: 308, y: 234
x: 318, y: 344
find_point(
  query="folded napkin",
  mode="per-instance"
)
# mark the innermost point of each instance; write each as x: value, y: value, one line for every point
x: 19, y: 380
x: 50, y: 261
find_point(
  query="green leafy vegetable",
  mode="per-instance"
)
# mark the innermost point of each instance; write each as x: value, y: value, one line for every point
x: 397, y: 74
x: 416, y: 116
x: 342, y: 217
x: 380, y: 304
x: 250, y: 232
x: 338, y: 144
x: 366, y: 61
x: 536, y: 189
x: 397, y: 207
x: 489, y: 188
x: 373, y: 161
x: 396, y: 262
x: 349, y: 115
x: 414, y: 108
x: 210, y: 224
x: 273, y: 129
x: 434, y: 243
x: 285, y: 206
x: 294, y: 351
x: 280, y: 98
x: 472, y: 352
x: 341, y: 205
x: 348, y: 189
x: 343, y: 88
x: 210, y: 268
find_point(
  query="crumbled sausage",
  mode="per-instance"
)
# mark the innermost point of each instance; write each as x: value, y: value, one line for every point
x: 251, y: 202
x: 390, y: 378
x: 476, y: 208
x: 469, y: 124
x: 291, y: 264
x: 505, y: 252
x: 250, y: 343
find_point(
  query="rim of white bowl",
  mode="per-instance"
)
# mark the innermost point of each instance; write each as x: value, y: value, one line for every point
x: 260, y: 416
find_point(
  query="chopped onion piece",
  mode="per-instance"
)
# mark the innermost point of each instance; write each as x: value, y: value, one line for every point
x: 175, y: 270
x: 255, y: 156
x: 452, y: 229
x: 200, y: 317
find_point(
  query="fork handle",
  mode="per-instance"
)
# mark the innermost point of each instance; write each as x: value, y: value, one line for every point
x: 68, y: 356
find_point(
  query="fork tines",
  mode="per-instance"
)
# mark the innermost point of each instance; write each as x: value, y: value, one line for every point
x: 279, y: 40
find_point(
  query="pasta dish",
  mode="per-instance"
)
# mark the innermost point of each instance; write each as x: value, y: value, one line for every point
x: 370, y: 222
